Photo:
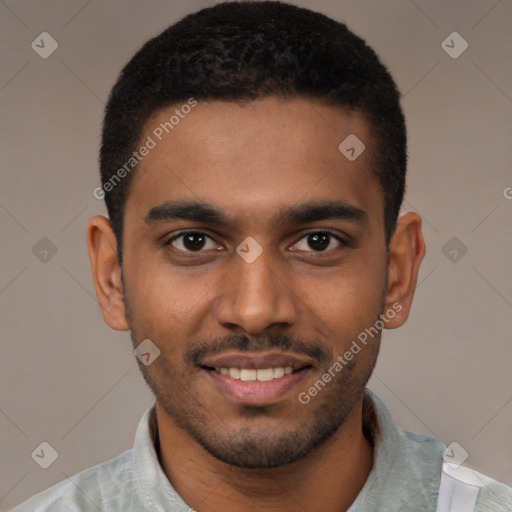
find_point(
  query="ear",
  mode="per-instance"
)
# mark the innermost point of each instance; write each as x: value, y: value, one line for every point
x: 106, y: 272
x: 406, y: 252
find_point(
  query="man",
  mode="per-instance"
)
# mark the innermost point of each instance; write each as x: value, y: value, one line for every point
x: 253, y: 165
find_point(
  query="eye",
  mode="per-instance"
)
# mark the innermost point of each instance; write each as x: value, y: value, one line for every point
x: 319, y: 241
x: 196, y: 241
x: 191, y: 241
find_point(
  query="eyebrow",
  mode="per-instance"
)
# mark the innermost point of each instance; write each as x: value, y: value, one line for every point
x: 198, y: 211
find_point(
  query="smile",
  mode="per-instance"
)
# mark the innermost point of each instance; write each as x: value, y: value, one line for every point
x: 257, y: 378
x: 260, y: 374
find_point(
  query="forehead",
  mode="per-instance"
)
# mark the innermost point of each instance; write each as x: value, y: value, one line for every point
x: 252, y: 160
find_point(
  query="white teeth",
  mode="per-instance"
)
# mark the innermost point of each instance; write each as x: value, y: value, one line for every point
x: 234, y: 373
x: 278, y: 372
x: 250, y: 374
x: 266, y: 374
x: 247, y: 374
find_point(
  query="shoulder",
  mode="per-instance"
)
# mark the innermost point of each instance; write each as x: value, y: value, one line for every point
x: 414, y: 464
x: 85, y: 491
x: 492, y: 496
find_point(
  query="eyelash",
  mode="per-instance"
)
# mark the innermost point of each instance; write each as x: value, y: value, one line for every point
x: 343, y: 243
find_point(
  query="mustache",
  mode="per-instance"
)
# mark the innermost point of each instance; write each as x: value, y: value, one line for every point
x: 315, y: 350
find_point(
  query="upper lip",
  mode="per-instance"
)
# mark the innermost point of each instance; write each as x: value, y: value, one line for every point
x: 256, y: 360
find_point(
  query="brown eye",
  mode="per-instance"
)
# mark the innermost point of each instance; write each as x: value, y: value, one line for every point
x: 192, y: 241
x: 318, y: 241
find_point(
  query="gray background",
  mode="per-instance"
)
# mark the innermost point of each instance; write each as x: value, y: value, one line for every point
x: 69, y: 380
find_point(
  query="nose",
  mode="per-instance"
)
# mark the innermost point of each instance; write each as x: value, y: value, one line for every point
x: 255, y: 296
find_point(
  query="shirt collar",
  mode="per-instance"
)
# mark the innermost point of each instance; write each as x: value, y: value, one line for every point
x: 382, y: 431
x: 152, y: 487
x: 155, y: 492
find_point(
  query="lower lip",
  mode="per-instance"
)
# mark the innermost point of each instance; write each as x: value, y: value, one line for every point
x: 256, y: 392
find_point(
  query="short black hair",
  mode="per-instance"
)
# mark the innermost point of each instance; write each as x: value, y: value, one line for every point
x: 236, y: 51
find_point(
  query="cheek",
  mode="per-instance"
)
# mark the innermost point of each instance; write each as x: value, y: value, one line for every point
x: 348, y: 301
x: 165, y: 301
x: 156, y: 301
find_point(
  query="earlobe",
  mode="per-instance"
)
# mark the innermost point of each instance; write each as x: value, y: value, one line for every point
x: 406, y: 252
x: 106, y: 272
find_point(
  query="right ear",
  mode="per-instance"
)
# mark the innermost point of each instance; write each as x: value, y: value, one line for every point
x: 106, y: 272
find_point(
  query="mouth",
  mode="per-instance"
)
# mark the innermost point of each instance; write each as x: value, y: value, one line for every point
x: 256, y: 379
x: 260, y: 374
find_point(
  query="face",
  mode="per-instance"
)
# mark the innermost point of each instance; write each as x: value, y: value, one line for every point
x: 254, y: 249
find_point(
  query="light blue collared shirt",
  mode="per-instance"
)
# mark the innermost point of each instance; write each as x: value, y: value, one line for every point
x: 405, y: 476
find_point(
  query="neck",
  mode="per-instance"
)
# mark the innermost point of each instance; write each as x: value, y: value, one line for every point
x: 329, y: 478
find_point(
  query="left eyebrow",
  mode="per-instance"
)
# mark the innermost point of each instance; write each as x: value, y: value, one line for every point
x: 322, y: 210
x: 198, y: 211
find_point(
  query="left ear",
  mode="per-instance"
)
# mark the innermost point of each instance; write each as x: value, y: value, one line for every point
x: 406, y: 252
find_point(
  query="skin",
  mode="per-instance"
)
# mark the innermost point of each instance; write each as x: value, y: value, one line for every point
x: 297, y: 297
